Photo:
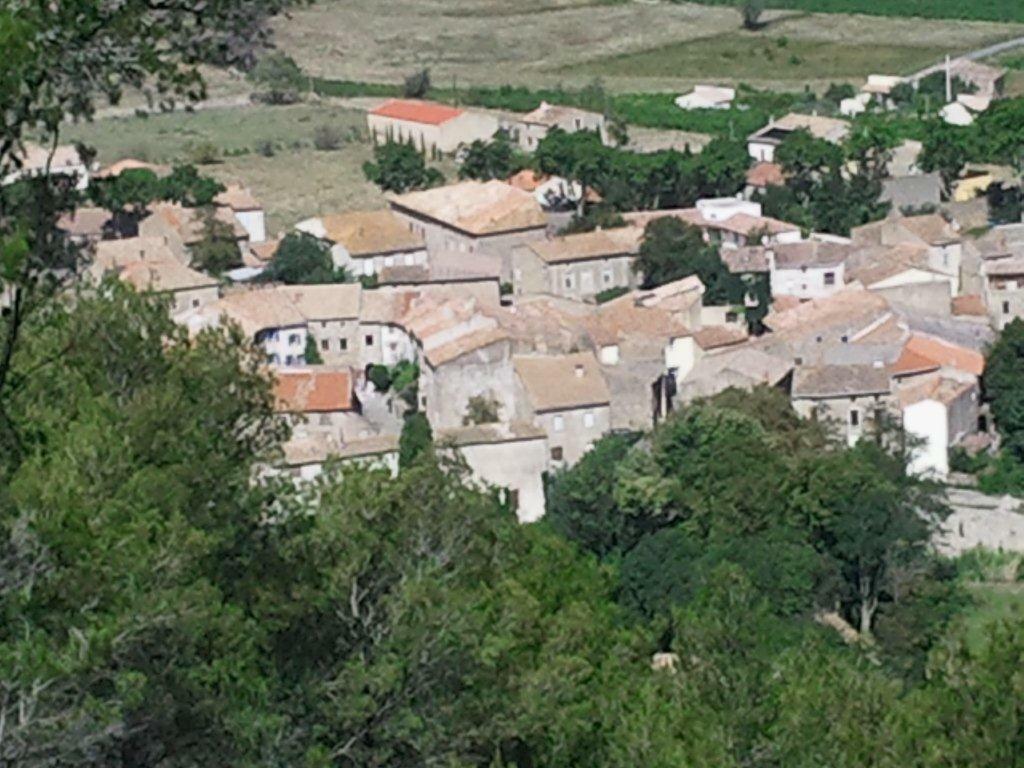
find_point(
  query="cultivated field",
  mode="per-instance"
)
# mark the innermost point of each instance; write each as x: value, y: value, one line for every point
x: 296, y: 181
x: 631, y: 45
x: 986, y: 10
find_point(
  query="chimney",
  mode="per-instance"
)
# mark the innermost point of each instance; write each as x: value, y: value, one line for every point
x: 579, y: 371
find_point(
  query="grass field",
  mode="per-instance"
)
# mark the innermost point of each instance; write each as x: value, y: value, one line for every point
x: 633, y: 46
x: 747, y: 56
x: 981, y: 10
x: 295, y: 182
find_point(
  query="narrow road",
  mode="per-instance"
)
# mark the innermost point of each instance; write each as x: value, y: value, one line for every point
x: 981, y: 53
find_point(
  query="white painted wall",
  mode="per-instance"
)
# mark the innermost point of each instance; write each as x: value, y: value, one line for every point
x: 807, y: 282
x: 928, y: 421
x: 254, y: 223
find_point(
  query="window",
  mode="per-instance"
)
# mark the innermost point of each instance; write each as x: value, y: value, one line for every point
x: 579, y: 123
x: 368, y: 339
x: 844, y: 339
x: 289, y: 360
x: 342, y: 344
x: 389, y: 261
x: 556, y: 453
x: 325, y: 344
x: 568, y: 281
x: 558, y: 423
x: 1006, y: 307
x: 588, y: 420
x: 854, y: 417
x: 325, y: 420
x: 195, y: 302
x: 606, y: 276
x: 294, y: 339
x: 731, y: 317
x: 830, y: 278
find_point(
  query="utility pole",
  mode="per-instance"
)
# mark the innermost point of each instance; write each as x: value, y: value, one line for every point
x: 949, y: 82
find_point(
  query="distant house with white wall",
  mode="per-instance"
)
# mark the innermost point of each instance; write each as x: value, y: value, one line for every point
x: 707, y: 97
x: 761, y: 144
x: 851, y: 398
x: 36, y: 161
x: 811, y: 269
x: 247, y: 210
x: 473, y: 217
x: 530, y: 129
x: 728, y: 221
x: 430, y: 127
x: 568, y: 398
x: 942, y: 242
x: 367, y: 242
x: 578, y: 266
x: 1003, y: 289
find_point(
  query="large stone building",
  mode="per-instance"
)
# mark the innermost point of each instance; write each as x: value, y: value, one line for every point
x: 367, y: 242
x: 577, y: 266
x: 430, y: 127
x: 472, y: 217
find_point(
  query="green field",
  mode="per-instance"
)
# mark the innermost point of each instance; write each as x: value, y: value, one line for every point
x: 977, y: 10
x: 295, y: 182
x: 749, y: 56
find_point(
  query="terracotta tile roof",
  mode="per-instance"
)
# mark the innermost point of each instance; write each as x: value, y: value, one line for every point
x: 318, y: 447
x: 35, y: 157
x: 873, y: 264
x: 808, y: 253
x: 85, y: 221
x: 114, y: 254
x: 747, y: 258
x: 415, y: 111
x: 238, y: 198
x: 931, y: 228
x: 527, y: 180
x: 313, y: 390
x: 186, y: 222
x: 164, y: 275
x: 765, y: 175
x: 486, y: 434
x: 337, y: 301
x: 448, y: 329
x: 827, y: 128
x: 368, y: 233
x: 828, y: 381
x: 910, y: 363
x: 939, y: 388
x: 475, y: 207
x: 852, y: 306
x: 970, y: 305
x: 1009, y: 267
x: 718, y: 336
x: 739, y: 223
x: 264, y: 308
x: 444, y: 267
x: 259, y: 254
x: 600, y: 244
x: 561, y: 382
x: 946, y: 354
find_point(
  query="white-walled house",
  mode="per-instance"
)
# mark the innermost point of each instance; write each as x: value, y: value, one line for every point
x: 811, y: 269
x: 530, y: 129
x: 37, y: 161
x: 761, y: 144
x: 246, y: 209
x: 940, y: 412
x: 367, y: 242
x: 707, y: 97
x: 430, y: 127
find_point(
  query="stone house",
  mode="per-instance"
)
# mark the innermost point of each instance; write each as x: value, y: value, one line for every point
x: 430, y: 127
x: 512, y: 457
x: 181, y: 228
x: 852, y: 398
x: 367, y: 242
x: 304, y: 457
x: 186, y: 289
x: 731, y: 222
x: 567, y: 397
x: 810, y: 269
x: 902, y: 274
x: 942, y: 241
x: 1003, y: 289
x: 529, y: 129
x: 473, y: 218
x: 761, y: 144
x: 246, y: 210
x: 320, y: 399
x: 577, y: 266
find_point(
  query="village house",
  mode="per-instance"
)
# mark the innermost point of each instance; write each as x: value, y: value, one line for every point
x: 727, y: 221
x: 280, y: 318
x: 567, y: 397
x: 761, y: 176
x: 707, y: 97
x: 305, y: 457
x: 182, y: 228
x: 86, y: 225
x: 530, y: 129
x: 118, y: 167
x: 321, y: 399
x: 512, y: 457
x: 481, y: 274
x: 246, y: 210
x: 761, y: 144
x: 36, y: 161
x: 367, y: 242
x: 902, y: 274
x: 912, y: 192
x: 465, y: 358
x: 579, y: 266
x: 430, y: 127
x: 554, y: 194
x: 852, y: 398
x: 1003, y: 289
x: 808, y: 269
x: 473, y: 218
x: 942, y: 241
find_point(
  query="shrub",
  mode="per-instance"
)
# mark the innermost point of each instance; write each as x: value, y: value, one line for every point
x: 380, y: 377
x: 417, y: 84
x: 265, y: 148
x: 278, y: 80
x: 203, y: 153
x: 482, y: 409
x: 611, y: 293
x: 326, y: 138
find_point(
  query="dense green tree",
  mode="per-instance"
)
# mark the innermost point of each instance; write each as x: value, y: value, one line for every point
x: 127, y: 196
x: 945, y: 151
x: 400, y: 168
x: 278, y: 79
x: 416, y: 439
x: 672, y: 250
x: 302, y: 259
x: 494, y: 159
x: 417, y: 84
x: 1004, y: 386
x: 186, y: 186
x: 581, y: 504
x: 217, y: 251
x: 1005, y: 204
x: 311, y: 355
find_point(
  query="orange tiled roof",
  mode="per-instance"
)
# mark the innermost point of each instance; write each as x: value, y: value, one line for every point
x: 312, y: 391
x: 766, y: 175
x: 946, y: 354
x: 414, y: 111
x: 970, y: 304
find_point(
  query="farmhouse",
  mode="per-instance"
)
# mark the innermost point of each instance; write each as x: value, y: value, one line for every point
x: 430, y: 127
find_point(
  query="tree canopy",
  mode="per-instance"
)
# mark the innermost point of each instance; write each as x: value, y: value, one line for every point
x: 398, y: 167
x: 301, y: 259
